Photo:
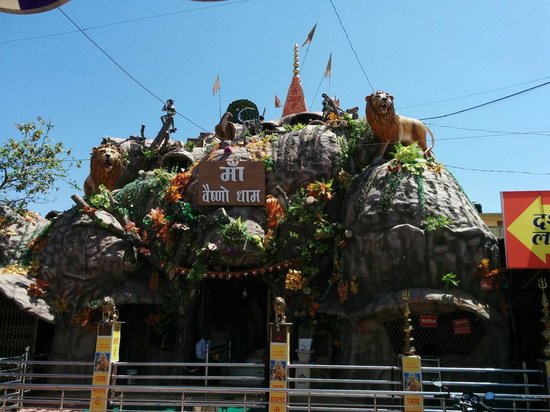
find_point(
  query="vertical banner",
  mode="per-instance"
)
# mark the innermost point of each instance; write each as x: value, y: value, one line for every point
x: 106, y: 351
x: 412, y: 382
x: 278, y: 366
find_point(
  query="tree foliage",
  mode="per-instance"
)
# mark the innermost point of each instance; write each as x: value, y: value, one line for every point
x: 33, y: 165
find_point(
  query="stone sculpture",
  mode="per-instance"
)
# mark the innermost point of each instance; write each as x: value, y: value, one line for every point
x: 390, y: 127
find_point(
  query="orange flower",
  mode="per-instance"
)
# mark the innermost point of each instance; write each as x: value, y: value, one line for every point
x: 484, y: 264
x: 154, y: 281
x: 321, y: 190
x: 343, y: 289
x: 293, y: 280
x: 36, y: 289
x: 275, y: 212
x: 131, y: 227
x: 177, y: 186
x: 157, y: 216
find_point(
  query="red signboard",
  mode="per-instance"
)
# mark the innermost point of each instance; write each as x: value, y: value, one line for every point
x: 461, y: 327
x: 527, y: 229
x: 428, y: 321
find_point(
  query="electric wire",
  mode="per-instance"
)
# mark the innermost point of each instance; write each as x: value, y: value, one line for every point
x: 537, y: 133
x: 472, y: 94
x: 487, y: 103
x: 123, y: 22
x: 351, y: 45
x: 125, y: 71
x: 498, y: 171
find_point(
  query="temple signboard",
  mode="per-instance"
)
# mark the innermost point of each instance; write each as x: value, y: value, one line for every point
x: 231, y: 182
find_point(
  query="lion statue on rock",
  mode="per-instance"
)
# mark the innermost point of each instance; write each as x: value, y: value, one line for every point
x: 389, y: 126
x: 106, y: 165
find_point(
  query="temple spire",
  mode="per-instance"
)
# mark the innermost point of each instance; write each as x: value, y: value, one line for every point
x: 295, y: 99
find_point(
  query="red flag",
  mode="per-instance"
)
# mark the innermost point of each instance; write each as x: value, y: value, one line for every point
x: 328, y: 70
x: 216, y: 85
x: 277, y: 102
x: 310, y: 35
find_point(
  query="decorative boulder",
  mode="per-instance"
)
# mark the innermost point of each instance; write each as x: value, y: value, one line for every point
x: 396, y: 244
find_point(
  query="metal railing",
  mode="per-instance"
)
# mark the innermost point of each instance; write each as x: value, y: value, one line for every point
x: 13, y: 370
x: 312, y: 387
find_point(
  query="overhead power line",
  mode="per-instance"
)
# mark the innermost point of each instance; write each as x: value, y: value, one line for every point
x: 351, y: 45
x: 497, y: 132
x: 498, y: 171
x: 472, y: 94
x: 124, y: 70
x: 155, y: 16
x: 487, y: 103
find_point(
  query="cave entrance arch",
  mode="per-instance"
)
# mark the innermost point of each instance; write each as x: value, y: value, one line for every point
x: 441, y: 339
x: 235, y: 312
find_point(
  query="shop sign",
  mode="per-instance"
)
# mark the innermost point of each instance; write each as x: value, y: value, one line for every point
x: 527, y: 229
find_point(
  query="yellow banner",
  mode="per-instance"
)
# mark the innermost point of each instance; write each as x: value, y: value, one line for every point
x: 106, y: 351
x: 412, y: 382
x: 116, y: 342
x: 279, y: 358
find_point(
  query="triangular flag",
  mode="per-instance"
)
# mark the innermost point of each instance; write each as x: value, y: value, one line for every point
x: 277, y: 102
x: 310, y: 35
x: 329, y: 66
x: 216, y: 85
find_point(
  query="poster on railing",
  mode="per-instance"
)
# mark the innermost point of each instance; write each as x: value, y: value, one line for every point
x: 106, y: 350
x: 412, y: 382
x: 279, y: 358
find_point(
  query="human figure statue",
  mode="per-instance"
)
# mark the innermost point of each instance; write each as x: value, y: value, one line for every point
x: 330, y: 106
x: 170, y: 110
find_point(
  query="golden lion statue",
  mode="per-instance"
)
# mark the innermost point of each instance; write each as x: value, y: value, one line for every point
x: 389, y: 126
x: 279, y: 307
x: 106, y: 166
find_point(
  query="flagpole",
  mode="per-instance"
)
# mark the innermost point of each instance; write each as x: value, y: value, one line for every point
x: 314, y: 97
x: 215, y: 90
x: 305, y: 56
x: 308, y: 41
x: 220, y: 101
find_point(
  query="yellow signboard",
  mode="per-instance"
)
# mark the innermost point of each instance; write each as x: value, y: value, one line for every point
x: 279, y: 358
x: 412, y: 382
x: 106, y: 351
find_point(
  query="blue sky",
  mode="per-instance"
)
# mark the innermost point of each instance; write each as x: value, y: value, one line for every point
x: 436, y: 57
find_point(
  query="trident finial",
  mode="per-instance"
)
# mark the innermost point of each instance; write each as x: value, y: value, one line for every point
x: 408, y: 348
x: 545, y: 317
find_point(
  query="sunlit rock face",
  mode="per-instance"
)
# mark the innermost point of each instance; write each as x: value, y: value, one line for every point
x: 16, y: 231
x: 302, y: 157
x: 392, y: 248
